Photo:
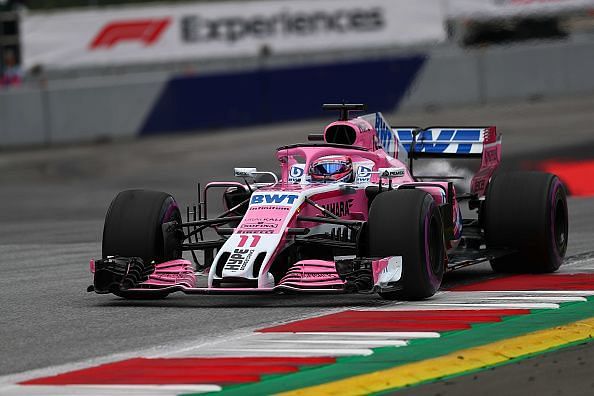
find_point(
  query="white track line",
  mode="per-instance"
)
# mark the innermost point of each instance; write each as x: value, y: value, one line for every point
x: 318, y: 337
x: 497, y: 305
x: 533, y: 292
x: 300, y: 352
x: 395, y: 334
x: 559, y: 299
x: 106, y: 390
x: 446, y: 307
x: 342, y: 342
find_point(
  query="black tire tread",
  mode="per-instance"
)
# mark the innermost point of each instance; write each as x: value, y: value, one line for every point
x: 517, y: 216
x: 133, y: 225
x: 395, y: 228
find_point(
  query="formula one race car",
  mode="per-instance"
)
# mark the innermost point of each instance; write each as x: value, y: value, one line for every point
x: 347, y: 214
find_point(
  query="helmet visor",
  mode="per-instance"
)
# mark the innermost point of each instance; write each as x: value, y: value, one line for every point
x: 329, y: 168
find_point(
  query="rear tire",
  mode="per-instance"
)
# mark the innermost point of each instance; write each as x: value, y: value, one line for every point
x: 526, y: 212
x: 133, y: 225
x: 408, y: 223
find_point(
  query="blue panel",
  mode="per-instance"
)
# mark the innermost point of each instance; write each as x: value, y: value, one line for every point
x: 425, y: 135
x: 432, y: 148
x: 470, y: 134
x: 446, y: 134
x: 464, y: 148
x: 191, y: 103
x: 404, y: 135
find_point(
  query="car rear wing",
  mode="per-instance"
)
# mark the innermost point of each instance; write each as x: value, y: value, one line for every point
x: 455, y: 142
x: 445, y: 142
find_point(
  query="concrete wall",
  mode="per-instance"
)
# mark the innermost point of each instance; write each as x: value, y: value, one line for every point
x: 77, y: 111
x: 96, y: 111
x: 490, y: 75
x: 22, y: 117
x: 91, y: 109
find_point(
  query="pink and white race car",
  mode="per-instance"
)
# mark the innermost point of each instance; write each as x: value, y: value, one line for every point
x: 346, y: 215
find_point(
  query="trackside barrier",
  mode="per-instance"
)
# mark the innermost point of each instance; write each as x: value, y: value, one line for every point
x: 482, y: 76
x: 91, y: 109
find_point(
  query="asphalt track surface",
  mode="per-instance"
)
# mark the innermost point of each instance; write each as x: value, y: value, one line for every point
x: 53, y: 203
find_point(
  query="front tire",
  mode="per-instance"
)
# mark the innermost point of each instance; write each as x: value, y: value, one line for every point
x: 133, y: 226
x: 408, y: 223
x: 527, y: 212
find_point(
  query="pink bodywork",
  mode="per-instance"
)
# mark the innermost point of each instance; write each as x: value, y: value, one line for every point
x: 176, y: 272
x: 490, y: 160
x: 315, y: 274
x: 319, y: 275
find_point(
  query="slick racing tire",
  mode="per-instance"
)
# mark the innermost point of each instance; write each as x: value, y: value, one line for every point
x: 526, y: 212
x: 408, y: 223
x: 133, y: 226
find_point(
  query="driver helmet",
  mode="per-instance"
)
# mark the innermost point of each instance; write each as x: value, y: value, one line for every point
x: 334, y: 168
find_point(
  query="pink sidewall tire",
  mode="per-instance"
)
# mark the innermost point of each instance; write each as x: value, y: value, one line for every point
x: 408, y: 223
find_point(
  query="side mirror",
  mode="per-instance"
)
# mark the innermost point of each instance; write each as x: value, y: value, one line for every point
x: 245, y: 172
x: 391, y: 173
x: 253, y: 172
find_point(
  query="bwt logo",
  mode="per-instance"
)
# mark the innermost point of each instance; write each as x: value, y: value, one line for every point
x: 147, y: 31
x: 363, y: 174
x: 384, y: 134
x: 296, y: 172
x: 364, y: 171
x: 282, y: 199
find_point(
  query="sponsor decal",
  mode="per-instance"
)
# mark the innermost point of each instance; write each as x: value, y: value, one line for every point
x: 391, y: 172
x: 265, y: 219
x: 255, y: 231
x: 490, y: 156
x: 363, y: 174
x: 238, y: 259
x: 172, y: 276
x: 316, y: 275
x: 341, y: 208
x: 460, y: 141
x: 279, y: 199
x: 384, y: 134
x: 479, y: 184
x: 269, y: 207
x: 266, y: 225
x: 147, y: 31
x: 260, y: 225
x: 244, y: 172
x: 235, y: 28
x: 295, y: 173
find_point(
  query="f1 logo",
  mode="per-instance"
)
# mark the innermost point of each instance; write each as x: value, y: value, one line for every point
x: 146, y: 31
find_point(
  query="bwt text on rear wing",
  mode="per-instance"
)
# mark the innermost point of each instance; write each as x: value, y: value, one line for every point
x: 455, y: 142
x: 445, y: 142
